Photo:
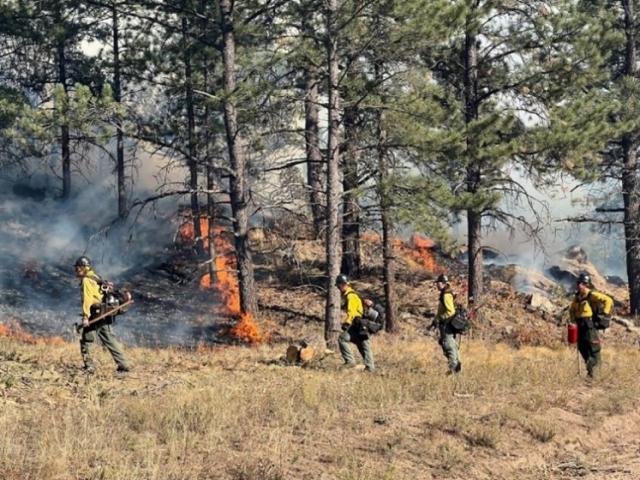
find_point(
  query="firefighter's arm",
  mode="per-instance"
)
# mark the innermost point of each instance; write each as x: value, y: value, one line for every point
x: 605, y: 302
x: 86, y: 299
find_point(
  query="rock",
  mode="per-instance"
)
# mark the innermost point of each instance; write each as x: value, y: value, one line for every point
x: 615, y: 280
x: 577, y: 253
x: 538, y: 302
x: 523, y: 279
x: 568, y: 270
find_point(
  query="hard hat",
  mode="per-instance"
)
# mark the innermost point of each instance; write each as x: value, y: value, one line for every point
x: 584, y: 278
x: 83, y: 262
x: 341, y: 279
x: 442, y: 278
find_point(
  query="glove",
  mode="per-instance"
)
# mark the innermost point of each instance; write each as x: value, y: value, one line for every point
x: 85, y: 321
x: 345, y: 326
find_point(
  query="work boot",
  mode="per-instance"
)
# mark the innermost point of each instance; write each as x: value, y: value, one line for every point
x: 122, y: 369
x: 458, y: 367
x: 347, y: 366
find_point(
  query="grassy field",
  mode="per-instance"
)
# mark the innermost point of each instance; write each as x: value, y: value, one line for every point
x: 239, y: 413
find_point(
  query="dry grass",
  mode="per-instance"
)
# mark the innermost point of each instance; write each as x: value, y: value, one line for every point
x: 232, y: 413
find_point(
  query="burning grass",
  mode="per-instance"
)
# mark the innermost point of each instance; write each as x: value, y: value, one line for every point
x: 231, y: 413
x: 14, y: 330
x: 418, y: 253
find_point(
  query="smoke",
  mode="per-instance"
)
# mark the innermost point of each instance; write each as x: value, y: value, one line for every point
x: 604, y: 245
x: 42, y: 236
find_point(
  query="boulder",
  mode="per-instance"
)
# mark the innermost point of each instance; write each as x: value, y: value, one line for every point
x: 523, y: 279
x: 577, y: 253
x: 535, y: 301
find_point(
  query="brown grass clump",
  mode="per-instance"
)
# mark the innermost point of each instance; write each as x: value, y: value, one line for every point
x: 236, y: 413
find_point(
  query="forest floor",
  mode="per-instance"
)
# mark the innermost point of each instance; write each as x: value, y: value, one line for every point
x: 521, y: 408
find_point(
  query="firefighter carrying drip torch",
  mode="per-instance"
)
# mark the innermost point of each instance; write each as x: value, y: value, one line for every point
x: 91, y: 296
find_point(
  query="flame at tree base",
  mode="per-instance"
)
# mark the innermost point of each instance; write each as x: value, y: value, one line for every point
x: 225, y: 282
x: 247, y: 330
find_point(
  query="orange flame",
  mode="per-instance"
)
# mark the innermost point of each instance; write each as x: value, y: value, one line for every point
x: 420, y: 254
x: 14, y: 330
x: 246, y: 329
x: 225, y: 281
x: 186, y: 232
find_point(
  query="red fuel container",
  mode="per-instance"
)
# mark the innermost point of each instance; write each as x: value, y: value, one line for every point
x: 572, y: 333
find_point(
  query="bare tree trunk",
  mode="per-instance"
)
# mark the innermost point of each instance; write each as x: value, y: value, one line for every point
x: 474, y: 217
x: 117, y: 96
x: 333, y: 246
x: 314, y: 154
x: 192, y: 161
x: 64, y: 128
x: 630, y: 184
x: 208, y: 157
x: 351, y: 220
x: 237, y: 157
x: 388, y: 257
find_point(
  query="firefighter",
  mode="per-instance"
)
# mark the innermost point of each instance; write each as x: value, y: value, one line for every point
x: 446, y: 312
x: 352, y: 329
x: 91, y: 297
x: 587, y: 306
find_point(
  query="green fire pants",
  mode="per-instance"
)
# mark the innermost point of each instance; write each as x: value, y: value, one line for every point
x: 108, y: 339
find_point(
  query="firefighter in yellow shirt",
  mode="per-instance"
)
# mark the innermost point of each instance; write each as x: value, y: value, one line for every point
x: 352, y: 330
x: 590, y: 310
x: 91, y: 300
x: 446, y: 311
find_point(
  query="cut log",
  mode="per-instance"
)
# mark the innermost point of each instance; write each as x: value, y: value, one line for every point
x: 293, y: 353
x: 300, y: 353
x: 307, y: 354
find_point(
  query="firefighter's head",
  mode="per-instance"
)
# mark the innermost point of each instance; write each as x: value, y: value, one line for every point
x: 82, y: 266
x: 584, y: 283
x: 342, y: 282
x: 442, y: 281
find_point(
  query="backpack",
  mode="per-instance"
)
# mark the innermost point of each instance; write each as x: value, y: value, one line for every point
x: 460, y: 321
x: 112, y: 297
x: 375, y: 318
x: 373, y: 321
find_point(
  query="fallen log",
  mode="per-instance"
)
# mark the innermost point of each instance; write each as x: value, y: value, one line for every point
x: 628, y: 324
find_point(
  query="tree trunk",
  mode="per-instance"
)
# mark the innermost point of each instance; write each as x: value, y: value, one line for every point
x: 630, y: 184
x: 208, y: 157
x: 192, y: 161
x: 332, y: 245
x: 388, y: 257
x: 314, y: 154
x: 64, y: 128
x: 474, y: 217
x: 237, y: 156
x: 351, y: 220
x: 117, y: 96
